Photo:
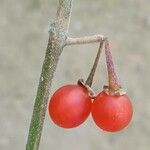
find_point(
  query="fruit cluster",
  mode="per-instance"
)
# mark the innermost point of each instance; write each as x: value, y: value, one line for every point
x: 111, y: 109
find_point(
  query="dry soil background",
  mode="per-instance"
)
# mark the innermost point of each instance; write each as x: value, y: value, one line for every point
x: 23, y: 40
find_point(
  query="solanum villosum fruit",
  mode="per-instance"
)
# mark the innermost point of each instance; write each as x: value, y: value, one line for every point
x: 111, y: 112
x: 111, y: 109
x: 70, y: 106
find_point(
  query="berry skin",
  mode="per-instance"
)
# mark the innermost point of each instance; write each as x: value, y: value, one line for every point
x: 70, y: 106
x: 111, y: 112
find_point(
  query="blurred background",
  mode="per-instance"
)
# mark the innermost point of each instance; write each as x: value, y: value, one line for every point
x: 23, y: 40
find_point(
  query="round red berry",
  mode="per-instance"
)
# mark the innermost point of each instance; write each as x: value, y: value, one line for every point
x: 70, y: 106
x: 111, y: 112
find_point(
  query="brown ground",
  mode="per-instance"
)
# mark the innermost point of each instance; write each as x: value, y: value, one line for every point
x: 23, y: 39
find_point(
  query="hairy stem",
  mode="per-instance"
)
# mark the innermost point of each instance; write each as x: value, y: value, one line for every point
x: 89, y: 80
x: 56, y: 42
x: 112, y: 77
x: 63, y: 14
x: 85, y: 40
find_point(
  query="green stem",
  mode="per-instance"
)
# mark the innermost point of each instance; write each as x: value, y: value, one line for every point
x: 56, y: 42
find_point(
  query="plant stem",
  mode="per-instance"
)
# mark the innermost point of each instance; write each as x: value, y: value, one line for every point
x: 63, y: 14
x: 56, y: 42
x: 85, y: 39
x: 112, y: 77
x: 89, y: 80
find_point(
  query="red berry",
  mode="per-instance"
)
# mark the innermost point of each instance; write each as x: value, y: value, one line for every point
x: 111, y: 112
x: 70, y: 106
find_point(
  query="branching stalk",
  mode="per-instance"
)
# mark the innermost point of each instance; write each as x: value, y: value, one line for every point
x: 85, y: 40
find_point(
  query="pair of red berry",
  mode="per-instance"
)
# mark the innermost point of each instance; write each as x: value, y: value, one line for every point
x: 111, y: 109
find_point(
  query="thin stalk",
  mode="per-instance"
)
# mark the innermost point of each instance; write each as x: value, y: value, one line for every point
x: 112, y: 77
x: 85, y: 39
x: 89, y: 80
